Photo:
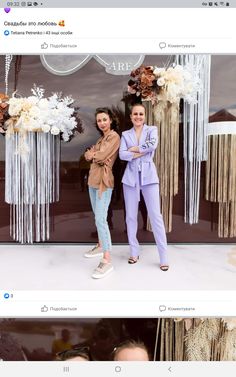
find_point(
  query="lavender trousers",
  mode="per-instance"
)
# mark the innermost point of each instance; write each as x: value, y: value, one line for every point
x: 152, y: 200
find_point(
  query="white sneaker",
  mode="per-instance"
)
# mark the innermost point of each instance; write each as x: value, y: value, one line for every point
x: 96, y: 251
x: 102, y: 270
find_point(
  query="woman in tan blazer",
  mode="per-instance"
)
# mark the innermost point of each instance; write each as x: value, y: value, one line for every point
x: 101, y: 182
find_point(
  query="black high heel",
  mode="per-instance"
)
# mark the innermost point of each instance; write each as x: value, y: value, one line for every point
x: 131, y: 260
x: 164, y: 267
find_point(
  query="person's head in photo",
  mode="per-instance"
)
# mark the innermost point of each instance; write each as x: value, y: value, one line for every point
x: 131, y: 350
x: 138, y: 114
x: 75, y: 354
x: 63, y: 343
x: 105, y: 120
x: 65, y: 335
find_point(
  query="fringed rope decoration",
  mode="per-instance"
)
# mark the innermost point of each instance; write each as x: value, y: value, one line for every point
x: 169, y: 345
x: 167, y: 158
x: 32, y: 183
x: 8, y: 60
x: 211, y: 340
x: 227, y: 350
x: 166, y: 116
x: 194, y: 339
x: 195, y: 121
x: 221, y: 175
x: 199, y: 340
x: 157, y: 339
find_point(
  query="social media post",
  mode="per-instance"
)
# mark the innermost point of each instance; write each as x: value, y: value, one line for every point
x: 117, y: 345
x: 33, y: 30
x: 118, y: 167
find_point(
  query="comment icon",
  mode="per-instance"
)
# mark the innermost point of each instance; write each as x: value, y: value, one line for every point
x: 162, y: 45
x: 162, y: 308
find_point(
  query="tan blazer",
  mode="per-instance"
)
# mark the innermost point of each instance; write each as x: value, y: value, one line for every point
x: 106, y: 152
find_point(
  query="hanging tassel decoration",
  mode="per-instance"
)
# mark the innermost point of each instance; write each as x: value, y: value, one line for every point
x: 221, y: 175
x: 195, y: 122
x: 32, y: 183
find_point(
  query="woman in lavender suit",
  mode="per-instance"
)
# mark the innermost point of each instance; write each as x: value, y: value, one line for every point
x: 137, y: 147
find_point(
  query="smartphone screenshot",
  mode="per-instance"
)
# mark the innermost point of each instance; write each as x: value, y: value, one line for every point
x: 117, y: 187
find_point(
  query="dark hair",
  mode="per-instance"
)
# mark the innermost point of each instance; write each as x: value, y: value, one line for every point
x: 83, y: 352
x: 114, y: 121
x: 130, y: 344
x: 137, y: 104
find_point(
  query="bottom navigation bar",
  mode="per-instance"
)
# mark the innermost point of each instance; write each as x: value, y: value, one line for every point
x: 124, y: 369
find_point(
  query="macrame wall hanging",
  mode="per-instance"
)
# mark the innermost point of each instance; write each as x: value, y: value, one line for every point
x: 33, y: 130
x: 211, y: 339
x: 32, y: 183
x: 169, y: 343
x: 166, y: 116
x: 8, y: 60
x: 221, y: 174
x: 193, y: 339
x: 195, y: 121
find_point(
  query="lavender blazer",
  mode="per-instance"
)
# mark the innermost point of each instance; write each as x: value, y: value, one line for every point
x: 144, y: 164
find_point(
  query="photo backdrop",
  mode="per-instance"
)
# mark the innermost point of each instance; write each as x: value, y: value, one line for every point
x: 71, y: 219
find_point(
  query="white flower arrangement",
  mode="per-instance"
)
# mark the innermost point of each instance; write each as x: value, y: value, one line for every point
x: 178, y: 82
x: 37, y: 113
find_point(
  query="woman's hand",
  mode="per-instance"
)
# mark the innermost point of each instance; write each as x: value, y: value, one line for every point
x: 134, y: 149
x: 137, y: 155
x: 89, y: 155
x: 107, y: 162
